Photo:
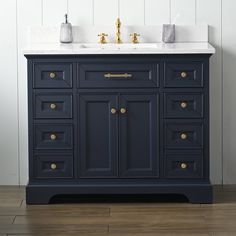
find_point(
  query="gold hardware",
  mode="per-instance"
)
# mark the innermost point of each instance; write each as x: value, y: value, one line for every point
x: 134, y: 38
x: 122, y: 110
x: 53, y: 106
x: 102, y: 39
x: 53, y: 137
x: 118, y: 33
x: 53, y: 166
x: 52, y: 75
x: 183, y: 104
x: 183, y: 136
x: 183, y: 74
x: 113, y: 111
x: 183, y: 165
x: 125, y: 75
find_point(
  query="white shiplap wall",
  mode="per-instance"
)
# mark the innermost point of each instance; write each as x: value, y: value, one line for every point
x: 20, y: 14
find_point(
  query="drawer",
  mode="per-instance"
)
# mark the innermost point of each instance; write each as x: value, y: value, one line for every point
x: 53, y: 136
x: 183, y: 165
x: 53, y: 166
x: 183, y: 134
x: 183, y: 105
x: 52, y: 75
x: 53, y: 106
x: 118, y: 75
x: 183, y: 74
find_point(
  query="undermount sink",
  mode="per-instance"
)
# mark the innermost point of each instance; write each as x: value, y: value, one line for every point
x: 119, y: 46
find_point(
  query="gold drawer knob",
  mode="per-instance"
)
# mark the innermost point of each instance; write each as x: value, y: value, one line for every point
x: 183, y: 74
x: 113, y: 111
x: 52, y: 75
x: 183, y: 104
x: 53, y: 106
x: 122, y: 110
x: 183, y: 165
x: 53, y: 137
x: 183, y: 136
x: 53, y: 166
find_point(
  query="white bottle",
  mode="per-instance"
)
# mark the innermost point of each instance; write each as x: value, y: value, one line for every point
x: 66, y: 35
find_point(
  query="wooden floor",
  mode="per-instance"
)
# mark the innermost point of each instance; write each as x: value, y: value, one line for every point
x: 146, y: 217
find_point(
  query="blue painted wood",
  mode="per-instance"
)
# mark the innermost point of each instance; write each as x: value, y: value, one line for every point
x: 62, y: 77
x: 53, y: 105
x: 138, y: 129
x: 139, y: 152
x: 53, y: 136
x: 98, y: 136
x: 62, y: 162
x: 92, y: 75
x: 183, y: 105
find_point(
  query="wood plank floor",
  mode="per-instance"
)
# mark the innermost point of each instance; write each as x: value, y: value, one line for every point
x: 115, y: 218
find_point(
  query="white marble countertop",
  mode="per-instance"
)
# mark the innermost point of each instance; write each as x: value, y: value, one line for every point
x: 144, y: 48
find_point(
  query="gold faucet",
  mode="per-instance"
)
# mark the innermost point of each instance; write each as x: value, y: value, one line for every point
x: 118, y: 33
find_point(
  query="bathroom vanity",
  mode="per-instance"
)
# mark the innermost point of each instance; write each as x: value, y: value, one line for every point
x: 119, y: 121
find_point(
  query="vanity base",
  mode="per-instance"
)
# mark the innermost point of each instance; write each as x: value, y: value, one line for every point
x: 196, y: 193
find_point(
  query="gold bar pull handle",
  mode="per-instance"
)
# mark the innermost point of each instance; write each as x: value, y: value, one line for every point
x: 125, y: 75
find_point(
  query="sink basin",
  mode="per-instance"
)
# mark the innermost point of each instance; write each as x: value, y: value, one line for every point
x: 124, y: 46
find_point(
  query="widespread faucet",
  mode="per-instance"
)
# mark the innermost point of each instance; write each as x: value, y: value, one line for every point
x: 118, y: 33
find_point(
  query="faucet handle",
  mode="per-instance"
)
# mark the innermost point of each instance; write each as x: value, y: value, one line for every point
x: 102, y: 39
x: 134, y: 37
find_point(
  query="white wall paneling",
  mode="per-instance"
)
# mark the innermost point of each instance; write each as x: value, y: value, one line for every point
x: 204, y: 16
x: 132, y: 12
x: 80, y: 12
x: 29, y: 13
x: 229, y: 90
x: 183, y: 12
x: 19, y: 14
x: 157, y: 12
x: 54, y: 11
x: 105, y: 12
x: 8, y: 95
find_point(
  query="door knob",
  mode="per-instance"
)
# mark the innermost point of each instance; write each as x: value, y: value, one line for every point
x: 183, y: 165
x: 113, y: 111
x: 53, y: 166
x: 183, y: 136
x: 122, y: 110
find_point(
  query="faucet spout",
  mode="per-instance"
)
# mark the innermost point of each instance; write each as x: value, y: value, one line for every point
x: 118, y: 33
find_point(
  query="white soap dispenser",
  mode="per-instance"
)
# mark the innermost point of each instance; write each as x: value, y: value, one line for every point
x: 66, y: 35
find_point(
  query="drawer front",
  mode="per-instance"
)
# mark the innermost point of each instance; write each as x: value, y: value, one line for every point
x: 183, y: 165
x: 52, y: 75
x: 53, y: 136
x: 180, y: 134
x: 53, y: 166
x: 53, y: 106
x: 183, y: 74
x: 183, y: 105
x: 118, y: 75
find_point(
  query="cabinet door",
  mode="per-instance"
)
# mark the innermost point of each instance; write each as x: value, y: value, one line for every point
x: 138, y: 135
x: 98, y: 136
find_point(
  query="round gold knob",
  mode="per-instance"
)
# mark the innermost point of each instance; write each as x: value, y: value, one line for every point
x: 53, y: 166
x: 183, y: 74
x: 183, y: 104
x: 52, y: 75
x: 183, y: 165
x: 122, y: 110
x: 53, y: 106
x: 113, y: 111
x: 183, y: 136
x: 53, y: 137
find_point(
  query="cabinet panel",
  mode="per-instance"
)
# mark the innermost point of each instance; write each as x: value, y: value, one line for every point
x: 118, y: 75
x: 138, y: 135
x: 183, y: 105
x: 98, y: 135
x: 183, y: 134
x: 183, y: 74
x: 51, y: 105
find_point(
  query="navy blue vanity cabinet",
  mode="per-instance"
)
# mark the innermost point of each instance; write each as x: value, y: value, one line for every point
x: 118, y: 124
